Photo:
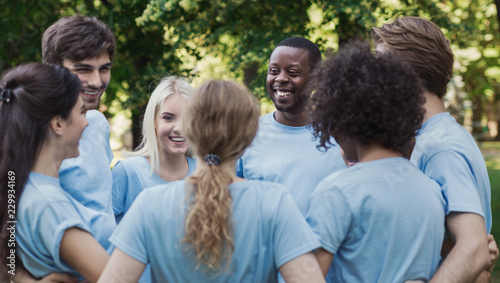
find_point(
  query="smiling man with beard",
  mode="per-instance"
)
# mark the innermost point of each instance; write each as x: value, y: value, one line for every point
x: 284, y: 150
x: 86, y: 46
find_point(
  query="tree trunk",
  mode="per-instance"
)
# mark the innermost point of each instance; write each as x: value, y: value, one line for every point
x: 250, y: 72
x: 497, y: 3
x: 496, y: 95
x: 477, y: 113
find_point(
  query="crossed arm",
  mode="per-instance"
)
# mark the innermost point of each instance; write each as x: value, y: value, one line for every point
x: 469, y: 256
x: 470, y: 259
x: 124, y: 268
x: 80, y: 250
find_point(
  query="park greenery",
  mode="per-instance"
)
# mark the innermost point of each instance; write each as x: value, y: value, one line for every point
x: 233, y: 39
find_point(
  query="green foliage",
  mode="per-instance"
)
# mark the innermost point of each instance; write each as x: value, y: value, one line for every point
x: 179, y: 37
x: 22, y: 24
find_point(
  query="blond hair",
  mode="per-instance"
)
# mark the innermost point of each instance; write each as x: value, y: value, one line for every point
x: 422, y: 45
x: 149, y: 146
x: 221, y: 118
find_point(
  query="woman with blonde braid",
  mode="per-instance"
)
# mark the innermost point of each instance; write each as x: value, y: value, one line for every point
x: 214, y: 226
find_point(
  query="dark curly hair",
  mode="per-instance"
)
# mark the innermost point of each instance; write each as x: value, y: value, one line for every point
x: 366, y: 98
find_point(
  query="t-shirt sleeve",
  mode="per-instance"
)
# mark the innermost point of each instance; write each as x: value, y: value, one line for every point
x: 329, y: 216
x: 100, y: 131
x: 292, y: 237
x: 109, y: 151
x: 452, y: 172
x: 130, y: 236
x: 53, y: 222
x: 120, y: 185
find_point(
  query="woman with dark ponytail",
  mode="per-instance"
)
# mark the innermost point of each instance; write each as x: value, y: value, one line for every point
x: 214, y: 226
x: 41, y: 121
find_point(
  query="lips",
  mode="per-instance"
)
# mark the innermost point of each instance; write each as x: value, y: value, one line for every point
x: 177, y: 139
x: 91, y: 92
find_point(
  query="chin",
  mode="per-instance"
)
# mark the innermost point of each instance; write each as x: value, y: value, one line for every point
x: 73, y: 154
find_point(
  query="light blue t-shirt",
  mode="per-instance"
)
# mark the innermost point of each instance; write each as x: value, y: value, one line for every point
x: 131, y: 176
x: 447, y: 153
x: 288, y: 156
x: 383, y: 220
x: 45, y: 212
x: 87, y: 178
x: 268, y: 232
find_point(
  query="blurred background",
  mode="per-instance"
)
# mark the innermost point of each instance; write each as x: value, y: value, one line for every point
x: 233, y: 39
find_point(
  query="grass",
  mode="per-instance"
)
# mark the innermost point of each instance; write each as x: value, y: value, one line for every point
x: 491, y: 153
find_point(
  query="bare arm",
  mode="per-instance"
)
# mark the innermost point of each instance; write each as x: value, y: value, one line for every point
x: 304, y: 268
x: 324, y: 259
x: 23, y: 276
x: 122, y: 268
x: 80, y: 250
x: 485, y: 276
x: 469, y: 256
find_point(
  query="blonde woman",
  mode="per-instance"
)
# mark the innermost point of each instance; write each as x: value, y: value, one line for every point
x: 214, y: 226
x: 162, y: 157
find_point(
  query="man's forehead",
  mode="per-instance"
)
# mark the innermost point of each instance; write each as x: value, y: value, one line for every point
x: 298, y: 54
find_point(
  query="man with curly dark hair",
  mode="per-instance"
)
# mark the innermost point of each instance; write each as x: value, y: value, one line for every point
x: 284, y: 150
x: 382, y: 218
x: 445, y: 151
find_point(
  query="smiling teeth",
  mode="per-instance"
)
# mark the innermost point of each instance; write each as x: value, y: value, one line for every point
x: 90, y: 92
x: 177, y: 139
x: 283, y: 94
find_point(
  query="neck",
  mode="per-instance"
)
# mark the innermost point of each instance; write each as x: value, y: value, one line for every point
x: 172, y: 168
x: 48, y: 161
x: 433, y: 105
x: 374, y: 152
x: 293, y: 120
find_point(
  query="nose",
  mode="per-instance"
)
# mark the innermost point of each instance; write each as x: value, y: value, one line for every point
x: 281, y: 77
x: 176, y: 128
x: 94, y: 79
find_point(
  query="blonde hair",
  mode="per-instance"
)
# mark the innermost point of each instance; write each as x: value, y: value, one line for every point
x: 221, y: 118
x: 421, y: 44
x: 149, y: 146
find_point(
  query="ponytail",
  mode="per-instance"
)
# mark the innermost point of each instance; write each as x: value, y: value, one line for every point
x: 219, y: 121
x: 208, y: 221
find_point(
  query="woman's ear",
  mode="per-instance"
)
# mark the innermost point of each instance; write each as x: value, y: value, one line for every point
x: 57, y: 125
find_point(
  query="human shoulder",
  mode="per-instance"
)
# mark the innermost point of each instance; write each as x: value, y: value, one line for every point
x: 130, y: 163
x: 97, y: 121
x: 42, y: 191
x: 49, y: 203
x: 161, y: 200
x: 94, y: 116
x: 160, y: 190
x: 263, y: 187
x: 327, y: 183
x: 440, y: 133
x: 266, y: 121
